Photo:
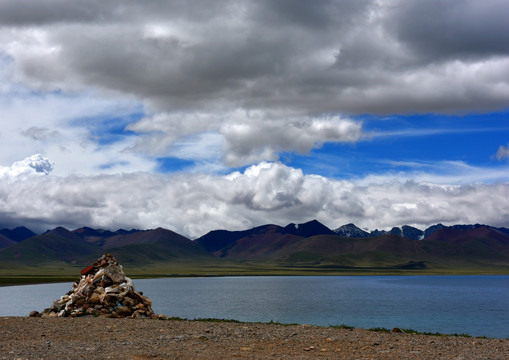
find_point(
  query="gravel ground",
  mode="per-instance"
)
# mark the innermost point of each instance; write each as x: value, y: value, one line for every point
x: 102, y: 338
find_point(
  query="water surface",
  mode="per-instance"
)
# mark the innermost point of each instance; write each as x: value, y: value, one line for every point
x: 476, y: 305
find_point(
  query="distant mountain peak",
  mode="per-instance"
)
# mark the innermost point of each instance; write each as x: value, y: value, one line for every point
x: 351, y: 230
x: 308, y: 229
x: 18, y: 234
x: 406, y: 231
x: 57, y: 230
x: 63, y: 232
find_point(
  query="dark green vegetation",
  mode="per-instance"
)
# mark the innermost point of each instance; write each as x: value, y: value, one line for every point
x: 304, y: 249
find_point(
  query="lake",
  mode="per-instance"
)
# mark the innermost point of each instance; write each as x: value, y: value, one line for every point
x: 476, y: 305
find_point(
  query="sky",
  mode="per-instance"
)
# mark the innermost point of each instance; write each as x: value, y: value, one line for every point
x: 228, y: 114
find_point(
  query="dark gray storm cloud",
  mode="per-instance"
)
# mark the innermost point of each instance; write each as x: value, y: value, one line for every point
x: 30, y: 13
x: 438, y: 30
x: 310, y: 56
x: 47, y: 12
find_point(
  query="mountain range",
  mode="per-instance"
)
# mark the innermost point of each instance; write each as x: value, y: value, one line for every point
x: 350, y: 230
x: 310, y: 245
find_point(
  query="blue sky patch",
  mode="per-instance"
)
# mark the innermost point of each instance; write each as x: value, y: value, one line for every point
x: 172, y: 164
x: 106, y: 130
x: 405, y: 143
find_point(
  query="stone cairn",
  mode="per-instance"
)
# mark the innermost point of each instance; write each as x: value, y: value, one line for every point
x: 102, y: 290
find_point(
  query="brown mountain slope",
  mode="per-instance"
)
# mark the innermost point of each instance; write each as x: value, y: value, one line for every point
x: 377, y: 251
x: 275, y: 246
x: 462, y: 236
x: 261, y: 245
x: 478, y: 243
x: 147, y: 237
x: 476, y: 247
x: 152, y: 246
x: 223, y: 239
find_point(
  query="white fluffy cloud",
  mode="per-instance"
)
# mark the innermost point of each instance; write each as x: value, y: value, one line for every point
x: 33, y: 165
x: 262, y: 139
x: 193, y: 204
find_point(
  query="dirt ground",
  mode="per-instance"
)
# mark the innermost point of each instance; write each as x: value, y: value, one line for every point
x: 102, y: 338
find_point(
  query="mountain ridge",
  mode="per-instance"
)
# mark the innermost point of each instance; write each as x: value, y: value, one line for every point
x: 21, y: 233
x: 86, y: 244
x: 17, y: 234
x: 351, y: 246
x: 306, y: 245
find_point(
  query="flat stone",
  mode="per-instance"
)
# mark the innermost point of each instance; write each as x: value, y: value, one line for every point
x: 95, y: 298
x: 123, y: 310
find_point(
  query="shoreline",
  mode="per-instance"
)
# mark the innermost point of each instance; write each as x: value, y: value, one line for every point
x: 102, y: 338
x: 20, y: 280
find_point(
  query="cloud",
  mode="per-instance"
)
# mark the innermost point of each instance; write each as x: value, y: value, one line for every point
x: 502, y: 152
x: 42, y: 134
x: 112, y: 91
x: 437, y: 172
x: 265, y: 55
x: 262, y: 139
x: 248, y: 136
x: 194, y: 66
x: 70, y: 128
x: 441, y: 30
x: 32, y: 165
x: 193, y: 204
x: 26, y: 12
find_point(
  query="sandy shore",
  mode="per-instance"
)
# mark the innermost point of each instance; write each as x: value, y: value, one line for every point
x: 101, y: 338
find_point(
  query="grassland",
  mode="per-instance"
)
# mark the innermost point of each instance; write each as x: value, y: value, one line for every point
x: 62, y: 272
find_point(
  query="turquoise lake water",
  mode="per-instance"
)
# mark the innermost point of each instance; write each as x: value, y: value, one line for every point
x: 476, y: 305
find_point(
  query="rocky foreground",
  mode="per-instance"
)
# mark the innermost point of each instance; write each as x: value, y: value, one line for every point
x: 109, y: 338
x: 104, y: 317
